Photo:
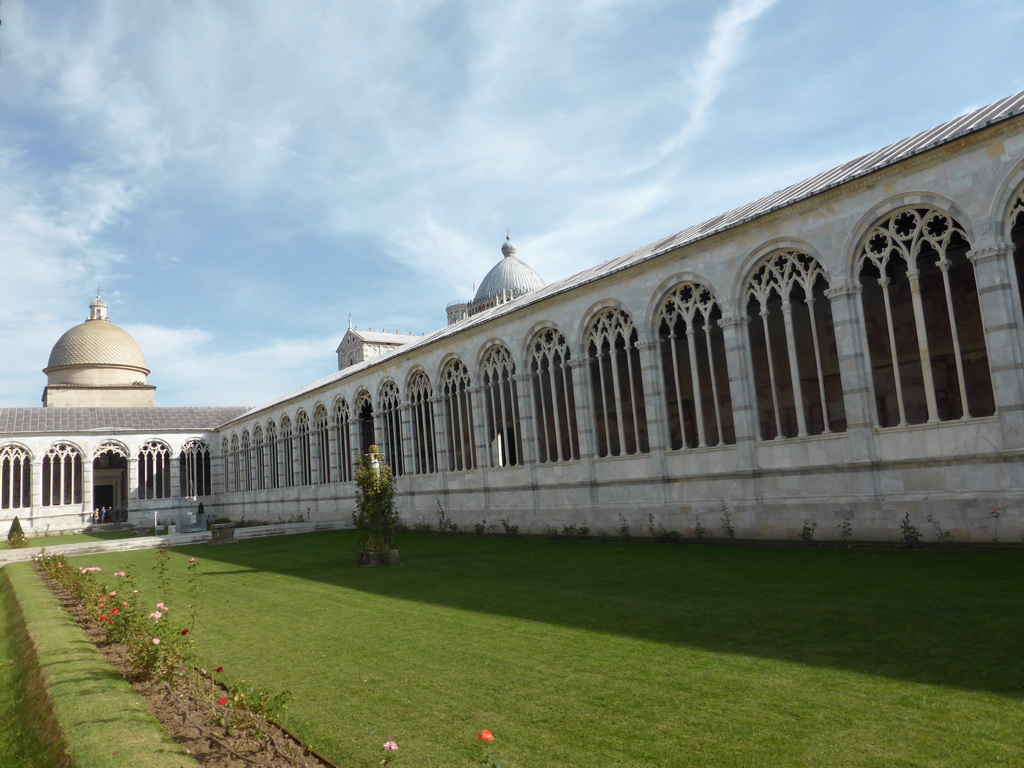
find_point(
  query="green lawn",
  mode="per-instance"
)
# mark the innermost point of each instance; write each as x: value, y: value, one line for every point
x: 38, y: 542
x: 604, y: 654
x: 23, y: 743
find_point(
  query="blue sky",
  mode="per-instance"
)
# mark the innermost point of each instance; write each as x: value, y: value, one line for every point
x: 239, y: 176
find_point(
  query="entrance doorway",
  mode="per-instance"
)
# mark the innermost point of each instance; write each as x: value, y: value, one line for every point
x: 110, y: 483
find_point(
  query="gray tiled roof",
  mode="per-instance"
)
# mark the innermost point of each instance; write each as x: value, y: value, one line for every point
x: 72, y: 420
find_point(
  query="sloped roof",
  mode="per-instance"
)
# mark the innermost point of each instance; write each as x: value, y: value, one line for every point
x: 1004, y: 109
x: 71, y: 420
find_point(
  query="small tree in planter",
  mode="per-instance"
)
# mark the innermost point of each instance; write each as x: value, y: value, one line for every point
x: 375, y: 517
x: 16, y: 536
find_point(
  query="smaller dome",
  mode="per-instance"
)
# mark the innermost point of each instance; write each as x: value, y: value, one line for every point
x: 509, y: 278
x: 97, y: 341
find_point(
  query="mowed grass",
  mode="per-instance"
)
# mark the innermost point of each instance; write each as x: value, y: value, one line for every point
x: 40, y: 542
x: 621, y: 654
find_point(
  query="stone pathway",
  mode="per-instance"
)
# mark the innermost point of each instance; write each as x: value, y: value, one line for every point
x: 174, y: 540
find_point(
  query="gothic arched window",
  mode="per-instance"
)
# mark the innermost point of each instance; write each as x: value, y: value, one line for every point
x: 923, y: 319
x: 15, y: 477
x: 501, y: 407
x: 62, y: 476
x: 792, y: 342
x: 391, y: 421
x: 620, y: 415
x: 304, y: 449
x: 245, y: 454
x: 154, y: 471
x: 225, y: 457
x: 424, y: 448
x: 273, y: 457
x: 194, y: 470
x: 553, y: 398
x: 694, y: 369
x: 458, y: 416
x: 343, y: 440
x: 364, y: 412
x: 259, y: 474
x: 287, y: 453
x: 323, y: 444
x: 236, y: 465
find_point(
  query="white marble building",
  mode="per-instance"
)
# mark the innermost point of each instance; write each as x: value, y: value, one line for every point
x: 847, y: 351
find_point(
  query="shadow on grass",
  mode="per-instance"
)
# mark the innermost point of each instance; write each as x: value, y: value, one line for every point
x: 951, y: 618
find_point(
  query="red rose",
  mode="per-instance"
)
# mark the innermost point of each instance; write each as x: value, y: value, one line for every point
x: 219, y: 669
x: 223, y: 702
x: 184, y: 632
x: 485, y: 735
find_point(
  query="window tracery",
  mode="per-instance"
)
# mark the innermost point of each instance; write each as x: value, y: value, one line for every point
x: 225, y: 457
x: 619, y: 409
x: 792, y: 341
x: 259, y: 474
x: 364, y: 411
x: 694, y: 368
x: 925, y: 337
x: 15, y: 477
x: 553, y: 397
x: 501, y: 406
x: 287, y: 453
x: 236, y: 465
x: 273, y: 457
x: 154, y: 470
x: 458, y: 415
x: 195, y: 470
x: 391, y: 421
x: 245, y: 455
x: 422, y: 412
x: 62, y: 475
x: 323, y: 444
x: 304, y: 449
x: 343, y: 440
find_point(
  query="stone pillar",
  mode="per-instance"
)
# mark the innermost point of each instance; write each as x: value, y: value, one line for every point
x: 583, y: 396
x: 654, y: 396
x: 441, y: 437
x: 36, y: 488
x: 133, y: 479
x: 854, y: 368
x: 483, y: 446
x: 741, y: 388
x: 409, y: 461
x: 527, y: 419
x: 174, y: 492
x: 87, y: 494
x: 1001, y: 317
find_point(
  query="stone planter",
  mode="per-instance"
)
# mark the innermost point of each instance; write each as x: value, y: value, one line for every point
x: 222, y: 533
x: 370, y: 557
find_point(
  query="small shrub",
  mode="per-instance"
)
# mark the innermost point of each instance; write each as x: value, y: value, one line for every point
x: 845, y: 530
x: 909, y: 535
x: 807, y: 532
x: 727, y: 528
x: 583, y: 531
x: 16, y: 536
x: 510, y: 530
x: 624, y: 530
x: 569, y: 531
x: 994, y: 517
x: 699, y: 531
x: 551, y: 532
x: 480, y: 528
x: 444, y: 524
x: 941, y: 533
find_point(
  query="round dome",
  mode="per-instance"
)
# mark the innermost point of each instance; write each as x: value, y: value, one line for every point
x: 97, y: 341
x: 510, y: 277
